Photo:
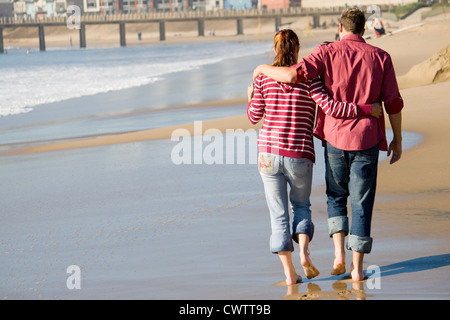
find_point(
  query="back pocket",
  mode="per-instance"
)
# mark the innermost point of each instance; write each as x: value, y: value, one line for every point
x: 266, y: 163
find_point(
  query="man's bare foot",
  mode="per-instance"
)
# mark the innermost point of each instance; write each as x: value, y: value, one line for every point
x: 357, y: 275
x: 293, y: 280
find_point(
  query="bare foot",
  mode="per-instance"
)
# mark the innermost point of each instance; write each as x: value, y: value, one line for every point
x: 293, y: 280
x: 308, y: 267
x: 310, y: 270
x: 357, y: 275
x: 338, y: 269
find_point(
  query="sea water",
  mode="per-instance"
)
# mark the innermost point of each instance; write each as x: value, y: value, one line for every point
x: 32, y: 78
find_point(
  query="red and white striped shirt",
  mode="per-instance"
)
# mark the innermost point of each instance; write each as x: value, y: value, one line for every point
x: 289, y: 111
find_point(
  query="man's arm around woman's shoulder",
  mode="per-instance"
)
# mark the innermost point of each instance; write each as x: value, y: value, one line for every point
x: 280, y: 74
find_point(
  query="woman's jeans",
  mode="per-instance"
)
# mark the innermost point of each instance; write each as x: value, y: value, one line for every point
x: 279, y: 172
x: 354, y: 174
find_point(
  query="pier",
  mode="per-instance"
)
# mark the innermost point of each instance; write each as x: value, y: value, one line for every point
x: 162, y: 18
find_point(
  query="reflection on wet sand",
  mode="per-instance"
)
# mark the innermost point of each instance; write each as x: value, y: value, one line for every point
x: 342, y: 290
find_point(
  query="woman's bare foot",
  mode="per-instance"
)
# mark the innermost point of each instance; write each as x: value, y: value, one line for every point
x: 338, y: 269
x: 338, y: 264
x: 288, y: 267
x: 310, y: 270
x: 308, y: 267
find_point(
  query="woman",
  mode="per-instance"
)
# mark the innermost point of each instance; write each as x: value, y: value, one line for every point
x: 286, y: 151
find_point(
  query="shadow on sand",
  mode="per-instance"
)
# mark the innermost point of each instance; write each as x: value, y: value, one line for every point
x: 345, y: 289
x: 416, y: 265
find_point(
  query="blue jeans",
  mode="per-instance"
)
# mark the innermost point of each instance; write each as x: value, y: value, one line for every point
x: 277, y: 173
x: 354, y: 174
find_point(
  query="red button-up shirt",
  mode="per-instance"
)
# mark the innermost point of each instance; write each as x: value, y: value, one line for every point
x: 353, y: 71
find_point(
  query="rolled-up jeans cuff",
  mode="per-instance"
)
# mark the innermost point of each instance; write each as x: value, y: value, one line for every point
x: 359, y: 244
x: 303, y: 228
x: 337, y: 224
x: 281, y: 242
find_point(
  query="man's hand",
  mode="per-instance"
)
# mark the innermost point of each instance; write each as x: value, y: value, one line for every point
x: 377, y: 110
x: 250, y: 91
x: 396, y: 149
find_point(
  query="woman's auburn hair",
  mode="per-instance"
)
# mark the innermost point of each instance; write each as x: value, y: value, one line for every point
x: 286, y: 45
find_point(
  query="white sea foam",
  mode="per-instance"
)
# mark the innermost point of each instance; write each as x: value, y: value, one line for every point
x: 28, y: 80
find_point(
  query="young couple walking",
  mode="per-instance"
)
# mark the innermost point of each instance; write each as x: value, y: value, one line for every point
x: 348, y: 80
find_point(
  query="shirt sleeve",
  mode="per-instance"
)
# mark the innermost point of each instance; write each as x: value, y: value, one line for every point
x: 390, y: 93
x: 312, y: 66
x: 256, y: 107
x: 336, y: 109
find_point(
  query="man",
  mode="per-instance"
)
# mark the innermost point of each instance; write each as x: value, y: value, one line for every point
x: 352, y: 71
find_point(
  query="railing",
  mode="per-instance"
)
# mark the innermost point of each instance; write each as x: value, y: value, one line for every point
x: 186, y: 15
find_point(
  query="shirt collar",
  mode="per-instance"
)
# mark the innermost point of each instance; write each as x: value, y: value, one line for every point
x: 353, y: 37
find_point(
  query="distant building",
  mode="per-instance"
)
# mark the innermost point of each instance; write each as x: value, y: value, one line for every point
x: 91, y: 6
x: 20, y: 9
x: 78, y: 3
x: 60, y: 7
x: 350, y: 3
x: 6, y: 8
x: 107, y: 6
x: 237, y: 4
x: 295, y: 3
x: 135, y: 6
x: 275, y: 4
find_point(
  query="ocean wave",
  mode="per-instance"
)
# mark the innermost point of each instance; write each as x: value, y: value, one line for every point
x: 29, y: 80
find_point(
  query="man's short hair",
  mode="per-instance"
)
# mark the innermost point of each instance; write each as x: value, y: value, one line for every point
x: 353, y: 20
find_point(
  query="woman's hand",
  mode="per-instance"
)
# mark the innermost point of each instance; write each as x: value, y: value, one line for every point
x: 250, y: 91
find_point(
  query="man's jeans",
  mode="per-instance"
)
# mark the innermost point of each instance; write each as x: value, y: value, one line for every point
x: 354, y: 174
x: 277, y: 172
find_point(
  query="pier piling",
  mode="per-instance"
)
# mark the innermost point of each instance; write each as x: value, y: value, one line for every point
x: 201, y: 27
x: 240, y: 26
x: 82, y: 35
x: 1, y: 40
x: 162, y: 30
x: 41, y: 38
x: 277, y: 23
x: 122, y: 34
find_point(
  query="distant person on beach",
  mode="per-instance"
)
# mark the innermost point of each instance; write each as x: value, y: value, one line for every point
x: 286, y: 151
x: 351, y: 70
x: 378, y: 26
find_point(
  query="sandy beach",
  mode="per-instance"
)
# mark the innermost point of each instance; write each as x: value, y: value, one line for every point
x: 209, y: 236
